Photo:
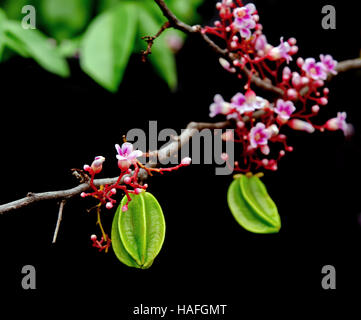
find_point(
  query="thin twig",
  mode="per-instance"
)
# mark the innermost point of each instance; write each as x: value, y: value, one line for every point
x: 150, y: 40
x: 60, y: 217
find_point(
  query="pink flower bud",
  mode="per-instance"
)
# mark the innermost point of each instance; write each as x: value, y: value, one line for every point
x: 319, y: 83
x: 113, y: 191
x: 315, y: 108
x: 240, y: 124
x: 273, y: 130
x: 224, y: 156
x: 86, y: 167
x: 300, y: 62
x: 93, y: 237
x: 83, y: 194
x: 292, y: 41
x: 125, y: 208
x: 282, y: 153
x: 228, y: 136
x: 297, y: 124
x: 265, y: 149
x: 109, y: 205
x: 138, y: 190
x: 296, y: 79
x: 323, y: 101
x: 127, y: 180
x: 146, y: 185
x: 286, y: 73
x: 186, y: 161
x: 292, y: 94
x: 304, y: 81
x: 293, y: 50
x: 97, y: 164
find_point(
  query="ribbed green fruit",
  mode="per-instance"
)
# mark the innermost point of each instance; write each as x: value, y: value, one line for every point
x: 138, y: 233
x: 251, y: 205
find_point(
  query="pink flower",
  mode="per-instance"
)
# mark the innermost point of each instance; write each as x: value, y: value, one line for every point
x: 328, y: 63
x: 284, y: 109
x: 248, y: 102
x: 339, y: 123
x: 244, y: 21
x: 281, y: 52
x: 259, y: 135
x: 126, y: 155
x: 314, y: 70
x: 261, y: 45
x: 97, y: 164
x: 219, y: 106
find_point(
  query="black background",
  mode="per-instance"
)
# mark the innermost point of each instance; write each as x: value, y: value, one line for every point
x: 50, y: 125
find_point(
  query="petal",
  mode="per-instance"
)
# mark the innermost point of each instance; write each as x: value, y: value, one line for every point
x: 127, y: 148
x: 134, y: 155
x: 251, y: 7
x: 245, y: 33
x: 121, y: 158
x: 117, y: 147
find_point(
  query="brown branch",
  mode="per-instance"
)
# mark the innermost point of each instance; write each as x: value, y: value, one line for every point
x: 347, y: 65
x: 162, y: 154
x: 61, y: 194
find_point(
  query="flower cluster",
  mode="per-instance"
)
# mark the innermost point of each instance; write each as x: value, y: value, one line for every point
x: 259, y: 121
x: 127, y: 182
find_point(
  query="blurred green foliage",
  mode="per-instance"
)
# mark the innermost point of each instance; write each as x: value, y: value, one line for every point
x: 103, y: 33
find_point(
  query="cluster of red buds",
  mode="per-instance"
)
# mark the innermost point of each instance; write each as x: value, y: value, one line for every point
x: 258, y: 120
x: 127, y: 182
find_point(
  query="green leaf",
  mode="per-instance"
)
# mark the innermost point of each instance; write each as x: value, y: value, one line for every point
x: 64, y: 19
x: 162, y: 58
x: 107, y: 45
x: 138, y: 233
x: 251, y: 205
x: 185, y: 10
x: 37, y: 46
x: 2, y: 33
